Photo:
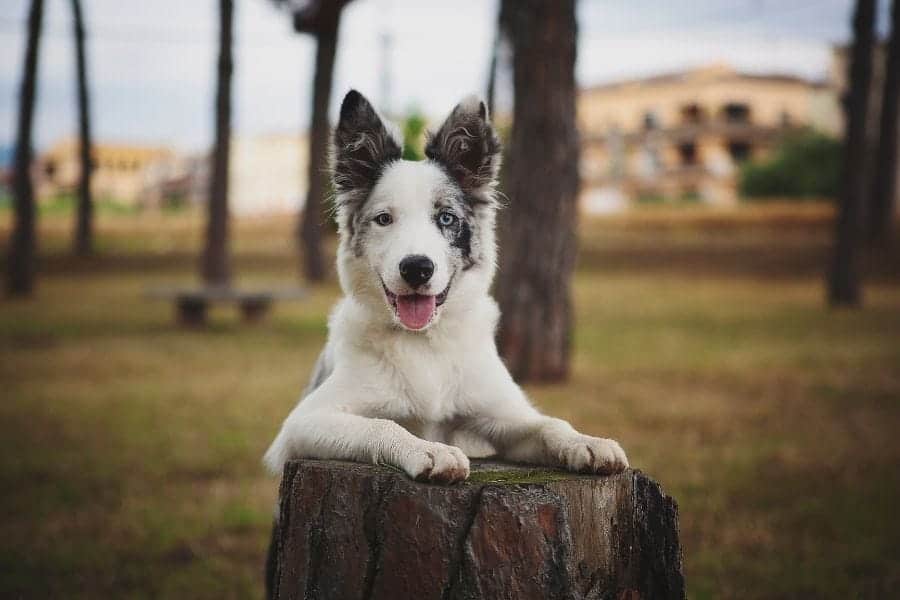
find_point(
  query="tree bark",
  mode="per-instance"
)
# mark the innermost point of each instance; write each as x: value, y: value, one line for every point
x: 21, y: 260
x: 349, y: 530
x: 538, y: 243
x: 216, y: 267
x: 881, y: 215
x: 844, y: 277
x: 310, y: 230
x: 83, y: 242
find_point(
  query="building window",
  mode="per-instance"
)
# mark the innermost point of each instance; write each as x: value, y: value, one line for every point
x: 739, y: 151
x: 692, y: 114
x: 651, y: 121
x: 687, y: 151
x: 736, y: 112
x: 786, y: 120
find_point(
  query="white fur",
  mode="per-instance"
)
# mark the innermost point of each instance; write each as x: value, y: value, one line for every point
x: 402, y: 397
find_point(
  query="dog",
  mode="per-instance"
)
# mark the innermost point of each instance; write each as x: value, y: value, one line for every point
x: 410, y: 375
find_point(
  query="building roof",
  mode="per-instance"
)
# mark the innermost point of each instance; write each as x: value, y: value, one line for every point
x: 712, y: 72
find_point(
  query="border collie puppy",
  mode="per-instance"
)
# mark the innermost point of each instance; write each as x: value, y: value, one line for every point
x: 410, y: 376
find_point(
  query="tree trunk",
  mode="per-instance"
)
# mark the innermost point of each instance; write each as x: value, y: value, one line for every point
x: 21, y: 265
x: 83, y: 242
x: 491, y: 91
x: 881, y: 216
x: 216, y: 268
x: 349, y: 530
x: 843, y: 282
x: 541, y: 180
x: 310, y: 229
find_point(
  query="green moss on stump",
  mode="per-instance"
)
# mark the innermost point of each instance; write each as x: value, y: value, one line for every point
x: 517, y: 476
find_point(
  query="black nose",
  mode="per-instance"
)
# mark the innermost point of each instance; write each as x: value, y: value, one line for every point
x: 416, y: 269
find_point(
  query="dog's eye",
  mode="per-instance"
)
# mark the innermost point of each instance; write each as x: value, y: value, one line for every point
x: 446, y: 219
x: 384, y: 219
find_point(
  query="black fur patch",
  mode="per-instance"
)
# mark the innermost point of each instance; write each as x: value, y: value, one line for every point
x: 461, y: 235
x: 463, y: 241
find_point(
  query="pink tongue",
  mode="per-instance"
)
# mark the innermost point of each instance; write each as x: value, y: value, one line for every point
x: 415, y: 311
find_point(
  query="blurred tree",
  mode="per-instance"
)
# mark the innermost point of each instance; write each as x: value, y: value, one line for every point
x: 413, y: 128
x: 21, y: 265
x: 843, y: 279
x: 541, y: 180
x: 216, y: 267
x: 806, y: 165
x: 83, y: 239
x: 320, y: 18
x: 881, y: 214
x: 491, y: 91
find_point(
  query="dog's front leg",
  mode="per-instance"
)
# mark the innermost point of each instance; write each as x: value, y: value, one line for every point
x: 519, y: 432
x: 543, y: 440
x: 318, y: 429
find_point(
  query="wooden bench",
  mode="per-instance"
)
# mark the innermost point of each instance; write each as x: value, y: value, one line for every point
x: 192, y: 304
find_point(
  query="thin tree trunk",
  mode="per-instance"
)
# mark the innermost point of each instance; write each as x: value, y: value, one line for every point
x: 216, y: 263
x: 84, y: 234
x: 538, y: 230
x: 310, y: 229
x: 881, y: 216
x: 492, y: 72
x: 844, y: 278
x: 21, y: 265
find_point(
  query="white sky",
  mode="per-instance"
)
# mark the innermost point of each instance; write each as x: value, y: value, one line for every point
x: 151, y: 62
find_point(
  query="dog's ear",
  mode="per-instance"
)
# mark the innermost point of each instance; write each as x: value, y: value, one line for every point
x: 467, y: 146
x: 362, y: 146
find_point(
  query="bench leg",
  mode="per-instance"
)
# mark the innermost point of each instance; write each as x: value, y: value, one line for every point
x: 192, y: 312
x: 254, y: 310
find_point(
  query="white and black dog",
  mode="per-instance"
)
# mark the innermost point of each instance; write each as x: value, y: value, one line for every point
x: 410, y: 376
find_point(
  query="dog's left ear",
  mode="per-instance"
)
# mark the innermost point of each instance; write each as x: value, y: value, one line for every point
x: 467, y: 146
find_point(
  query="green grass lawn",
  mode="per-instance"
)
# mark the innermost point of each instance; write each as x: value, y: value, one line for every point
x: 130, y: 449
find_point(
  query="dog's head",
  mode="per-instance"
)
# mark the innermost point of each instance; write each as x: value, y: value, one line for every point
x: 416, y: 238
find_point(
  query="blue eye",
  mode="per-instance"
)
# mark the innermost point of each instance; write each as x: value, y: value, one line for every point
x: 384, y: 219
x: 446, y: 219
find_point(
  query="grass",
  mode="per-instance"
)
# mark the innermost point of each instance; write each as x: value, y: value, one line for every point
x: 63, y: 205
x: 129, y: 448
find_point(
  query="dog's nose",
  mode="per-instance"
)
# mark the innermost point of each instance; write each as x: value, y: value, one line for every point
x: 416, y: 269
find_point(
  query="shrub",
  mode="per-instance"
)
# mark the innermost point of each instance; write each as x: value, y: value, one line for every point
x: 805, y: 166
x: 413, y: 144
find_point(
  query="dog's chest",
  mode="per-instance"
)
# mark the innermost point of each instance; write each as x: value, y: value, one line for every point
x: 427, y: 381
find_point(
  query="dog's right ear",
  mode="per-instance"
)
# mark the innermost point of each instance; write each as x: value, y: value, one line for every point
x: 362, y: 146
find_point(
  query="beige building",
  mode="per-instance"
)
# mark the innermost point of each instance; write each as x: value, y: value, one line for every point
x: 684, y: 135
x: 119, y: 169
x: 268, y: 174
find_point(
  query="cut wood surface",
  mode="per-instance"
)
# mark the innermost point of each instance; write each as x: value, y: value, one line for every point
x: 349, y: 530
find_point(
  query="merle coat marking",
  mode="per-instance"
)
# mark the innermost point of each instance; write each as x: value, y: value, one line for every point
x: 410, y: 375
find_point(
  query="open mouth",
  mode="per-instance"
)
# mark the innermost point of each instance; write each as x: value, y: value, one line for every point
x: 415, y: 311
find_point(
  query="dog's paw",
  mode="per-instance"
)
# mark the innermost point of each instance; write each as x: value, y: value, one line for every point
x: 587, y: 454
x: 438, y: 463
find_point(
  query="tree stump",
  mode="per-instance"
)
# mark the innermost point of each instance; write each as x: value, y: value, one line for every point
x: 349, y: 530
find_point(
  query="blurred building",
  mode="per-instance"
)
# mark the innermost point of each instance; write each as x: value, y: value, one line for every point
x: 268, y: 174
x: 683, y: 135
x: 119, y: 169
x: 174, y: 181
